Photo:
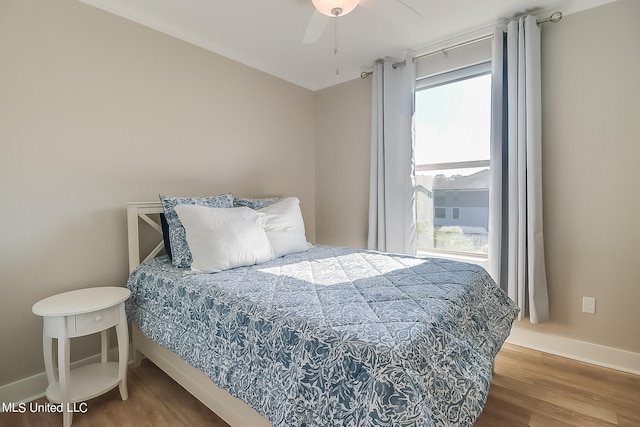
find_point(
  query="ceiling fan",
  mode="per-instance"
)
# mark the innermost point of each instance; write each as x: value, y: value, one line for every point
x: 394, y: 10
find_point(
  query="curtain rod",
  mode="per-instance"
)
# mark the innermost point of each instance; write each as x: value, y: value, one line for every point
x: 555, y: 17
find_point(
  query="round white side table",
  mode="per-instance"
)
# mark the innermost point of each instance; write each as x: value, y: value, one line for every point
x: 75, y: 314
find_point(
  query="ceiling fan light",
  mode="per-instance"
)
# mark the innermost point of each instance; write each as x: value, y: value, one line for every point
x: 326, y: 6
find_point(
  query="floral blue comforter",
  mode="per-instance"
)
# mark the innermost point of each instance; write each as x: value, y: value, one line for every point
x: 334, y: 336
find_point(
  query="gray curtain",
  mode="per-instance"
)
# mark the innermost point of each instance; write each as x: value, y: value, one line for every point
x: 516, y: 234
x: 391, y: 192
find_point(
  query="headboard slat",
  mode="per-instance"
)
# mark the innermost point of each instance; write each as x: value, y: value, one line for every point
x: 136, y: 210
x: 155, y: 251
x: 151, y: 222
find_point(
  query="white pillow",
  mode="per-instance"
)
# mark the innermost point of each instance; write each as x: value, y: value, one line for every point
x: 285, y: 227
x: 224, y: 238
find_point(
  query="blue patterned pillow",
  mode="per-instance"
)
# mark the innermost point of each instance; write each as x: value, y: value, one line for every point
x: 180, y: 254
x: 254, y: 204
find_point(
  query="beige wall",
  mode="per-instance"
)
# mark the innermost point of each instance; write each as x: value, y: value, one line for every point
x: 591, y: 137
x: 591, y: 146
x: 96, y: 111
x: 343, y: 138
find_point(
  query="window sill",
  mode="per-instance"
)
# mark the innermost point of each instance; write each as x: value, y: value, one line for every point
x: 481, y: 260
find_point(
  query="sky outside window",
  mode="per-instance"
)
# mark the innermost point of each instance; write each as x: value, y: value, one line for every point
x: 453, y: 121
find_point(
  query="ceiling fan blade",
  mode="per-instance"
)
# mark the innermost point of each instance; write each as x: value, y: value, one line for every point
x: 315, y: 27
x: 396, y: 11
x: 409, y: 8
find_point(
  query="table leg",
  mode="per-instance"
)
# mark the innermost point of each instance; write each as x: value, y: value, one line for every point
x: 123, y: 352
x: 104, y: 346
x: 64, y: 372
x: 47, y: 347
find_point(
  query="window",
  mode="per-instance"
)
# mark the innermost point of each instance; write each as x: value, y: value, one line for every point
x: 452, y: 146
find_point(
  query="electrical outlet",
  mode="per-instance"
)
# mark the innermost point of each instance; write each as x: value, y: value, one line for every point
x: 589, y: 305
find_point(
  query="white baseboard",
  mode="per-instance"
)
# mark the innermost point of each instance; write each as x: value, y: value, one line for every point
x: 595, y: 354
x: 34, y: 387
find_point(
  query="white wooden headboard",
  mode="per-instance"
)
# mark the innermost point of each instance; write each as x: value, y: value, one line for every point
x: 136, y: 211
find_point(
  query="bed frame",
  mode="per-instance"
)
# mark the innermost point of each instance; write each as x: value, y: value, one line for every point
x: 232, y: 410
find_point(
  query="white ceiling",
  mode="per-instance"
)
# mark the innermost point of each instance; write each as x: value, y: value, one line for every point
x: 267, y: 34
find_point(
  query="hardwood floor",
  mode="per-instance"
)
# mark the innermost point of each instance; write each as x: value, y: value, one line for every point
x: 155, y: 400
x: 529, y: 388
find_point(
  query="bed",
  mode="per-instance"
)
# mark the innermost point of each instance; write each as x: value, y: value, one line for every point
x: 326, y: 336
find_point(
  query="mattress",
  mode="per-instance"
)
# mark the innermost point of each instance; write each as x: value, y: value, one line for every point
x: 334, y: 336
